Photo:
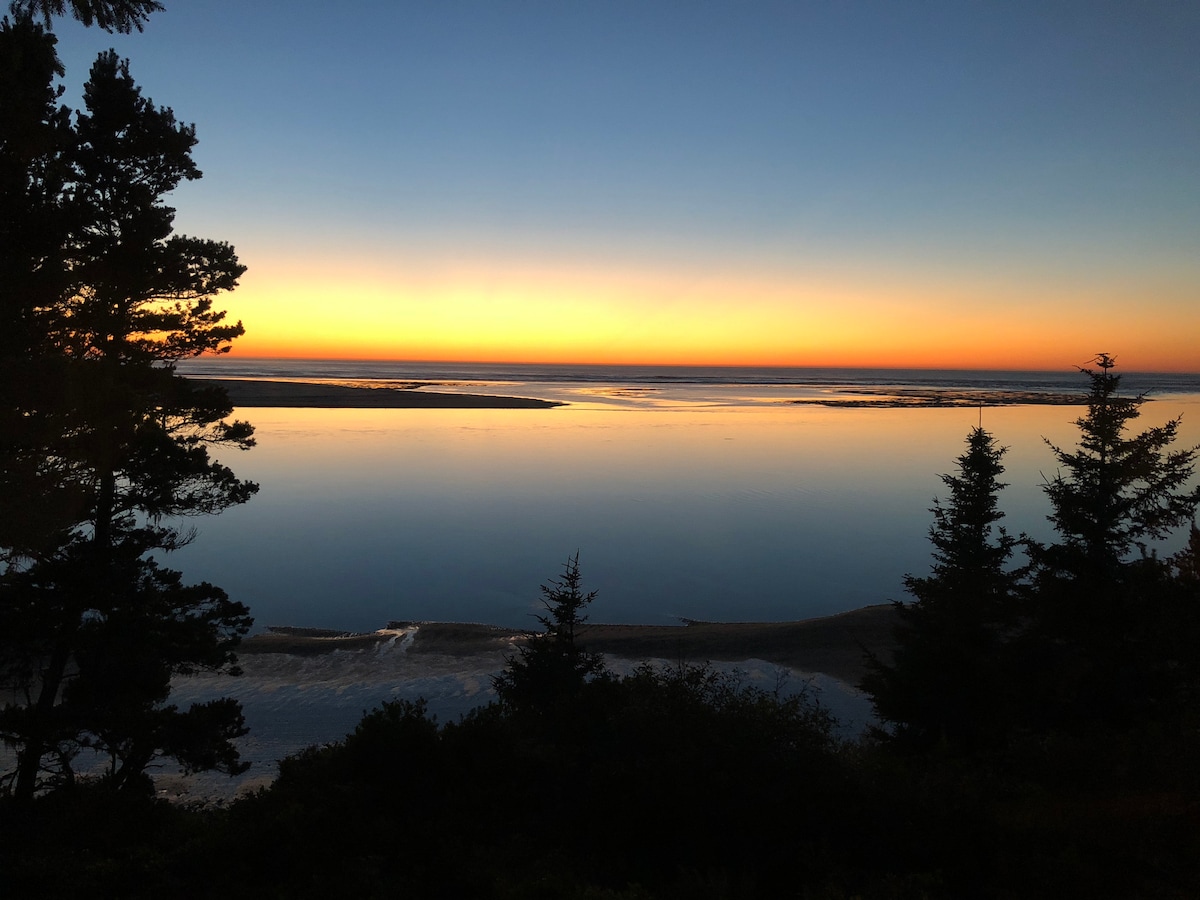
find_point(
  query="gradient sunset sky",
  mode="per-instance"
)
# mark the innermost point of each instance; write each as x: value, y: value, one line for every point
x: 927, y: 184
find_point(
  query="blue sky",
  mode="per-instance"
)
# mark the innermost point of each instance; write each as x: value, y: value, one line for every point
x: 763, y: 164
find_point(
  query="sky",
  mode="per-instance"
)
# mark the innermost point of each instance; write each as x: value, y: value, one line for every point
x: 958, y: 184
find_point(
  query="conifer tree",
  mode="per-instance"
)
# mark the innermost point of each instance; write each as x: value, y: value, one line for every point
x: 946, y: 681
x: 111, y: 446
x: 551, y: 668
x: 1115, y: 492
x: 1099, y: 617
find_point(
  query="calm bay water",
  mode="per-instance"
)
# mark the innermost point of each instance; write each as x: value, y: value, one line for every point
x: 689, y: 493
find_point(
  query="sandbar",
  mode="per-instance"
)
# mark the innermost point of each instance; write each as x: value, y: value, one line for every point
x: 920, y: 398
x: 315, y: 395
x: 834, y: 645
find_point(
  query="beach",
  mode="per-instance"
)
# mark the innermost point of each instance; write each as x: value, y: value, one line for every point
x: 302, y: 687
x: 835, y: 645
x: 315, y: 395
x: 251, y: 392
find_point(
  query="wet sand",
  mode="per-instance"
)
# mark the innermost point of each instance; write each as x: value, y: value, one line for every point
x: 833, y: 645
x: 920, y: 398
x: 250, y: 393
x: 303, y: 686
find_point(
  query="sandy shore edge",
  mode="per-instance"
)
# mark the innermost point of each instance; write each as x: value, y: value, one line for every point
x: 297, y: 394
x: 835, y: 645
x: 318, y: 395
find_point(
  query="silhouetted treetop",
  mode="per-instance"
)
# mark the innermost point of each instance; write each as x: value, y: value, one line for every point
x: 551, y: 668
x: 122, y: 16
x: 1118, y: 491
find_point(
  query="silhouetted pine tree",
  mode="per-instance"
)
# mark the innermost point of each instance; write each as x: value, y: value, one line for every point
x: 551, y: 667
x: 107, y: 444
x: 946, y: 683
x: 1100, y: 616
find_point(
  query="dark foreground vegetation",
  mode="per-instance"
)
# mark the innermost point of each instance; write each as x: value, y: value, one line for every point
x: 1040, y: 717
x: 665, y: 783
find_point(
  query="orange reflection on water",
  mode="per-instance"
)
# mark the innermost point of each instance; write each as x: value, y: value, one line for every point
x: 763, y: 512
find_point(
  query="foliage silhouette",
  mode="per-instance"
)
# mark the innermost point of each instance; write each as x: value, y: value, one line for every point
x: 1101, y: 607
x: 551, y: 668
x: 946, y: 684
x: 106, y: 445
x: 1119, y: 492
x: 632, y: 798
x: 667, y: 783
x: 122, y: 16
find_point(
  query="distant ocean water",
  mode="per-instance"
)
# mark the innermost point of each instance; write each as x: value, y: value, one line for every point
x: 689, y: 492
x: 482, y: 374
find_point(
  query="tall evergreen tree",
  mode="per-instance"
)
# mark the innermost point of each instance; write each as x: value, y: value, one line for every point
x: 112, y: 445
x: 946, y: 683
x: 1115, y: 492
x: 1098, y: 613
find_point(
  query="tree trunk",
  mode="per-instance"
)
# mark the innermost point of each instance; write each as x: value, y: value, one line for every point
x: 38, y: 739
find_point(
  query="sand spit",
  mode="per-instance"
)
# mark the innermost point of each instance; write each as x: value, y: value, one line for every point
x: 918, y: 398
x: 834, y: 645
x: 251, y: 393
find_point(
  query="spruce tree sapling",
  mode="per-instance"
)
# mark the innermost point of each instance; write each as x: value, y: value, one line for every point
x: 551, y: 668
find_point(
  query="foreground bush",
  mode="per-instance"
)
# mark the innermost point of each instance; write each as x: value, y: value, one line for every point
x: 664, y: 784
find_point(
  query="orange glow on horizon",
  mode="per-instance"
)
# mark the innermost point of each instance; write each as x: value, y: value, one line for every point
x: 832, y: 362
x: 573, y: 315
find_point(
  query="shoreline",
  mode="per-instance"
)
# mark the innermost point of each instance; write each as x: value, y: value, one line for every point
x: 314, y: 395
x: 942, y: 398
x: 306, y: 687
x: 261, y: 392
x: 834, y: 645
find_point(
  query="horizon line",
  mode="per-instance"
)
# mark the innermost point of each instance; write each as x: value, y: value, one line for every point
x: 676, y: 365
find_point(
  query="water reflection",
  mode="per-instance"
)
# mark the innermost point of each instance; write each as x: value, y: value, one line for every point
x: 763, y: 512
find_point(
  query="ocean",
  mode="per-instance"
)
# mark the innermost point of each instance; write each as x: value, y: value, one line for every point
x: 678, y: 383
x: 689, y: 493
